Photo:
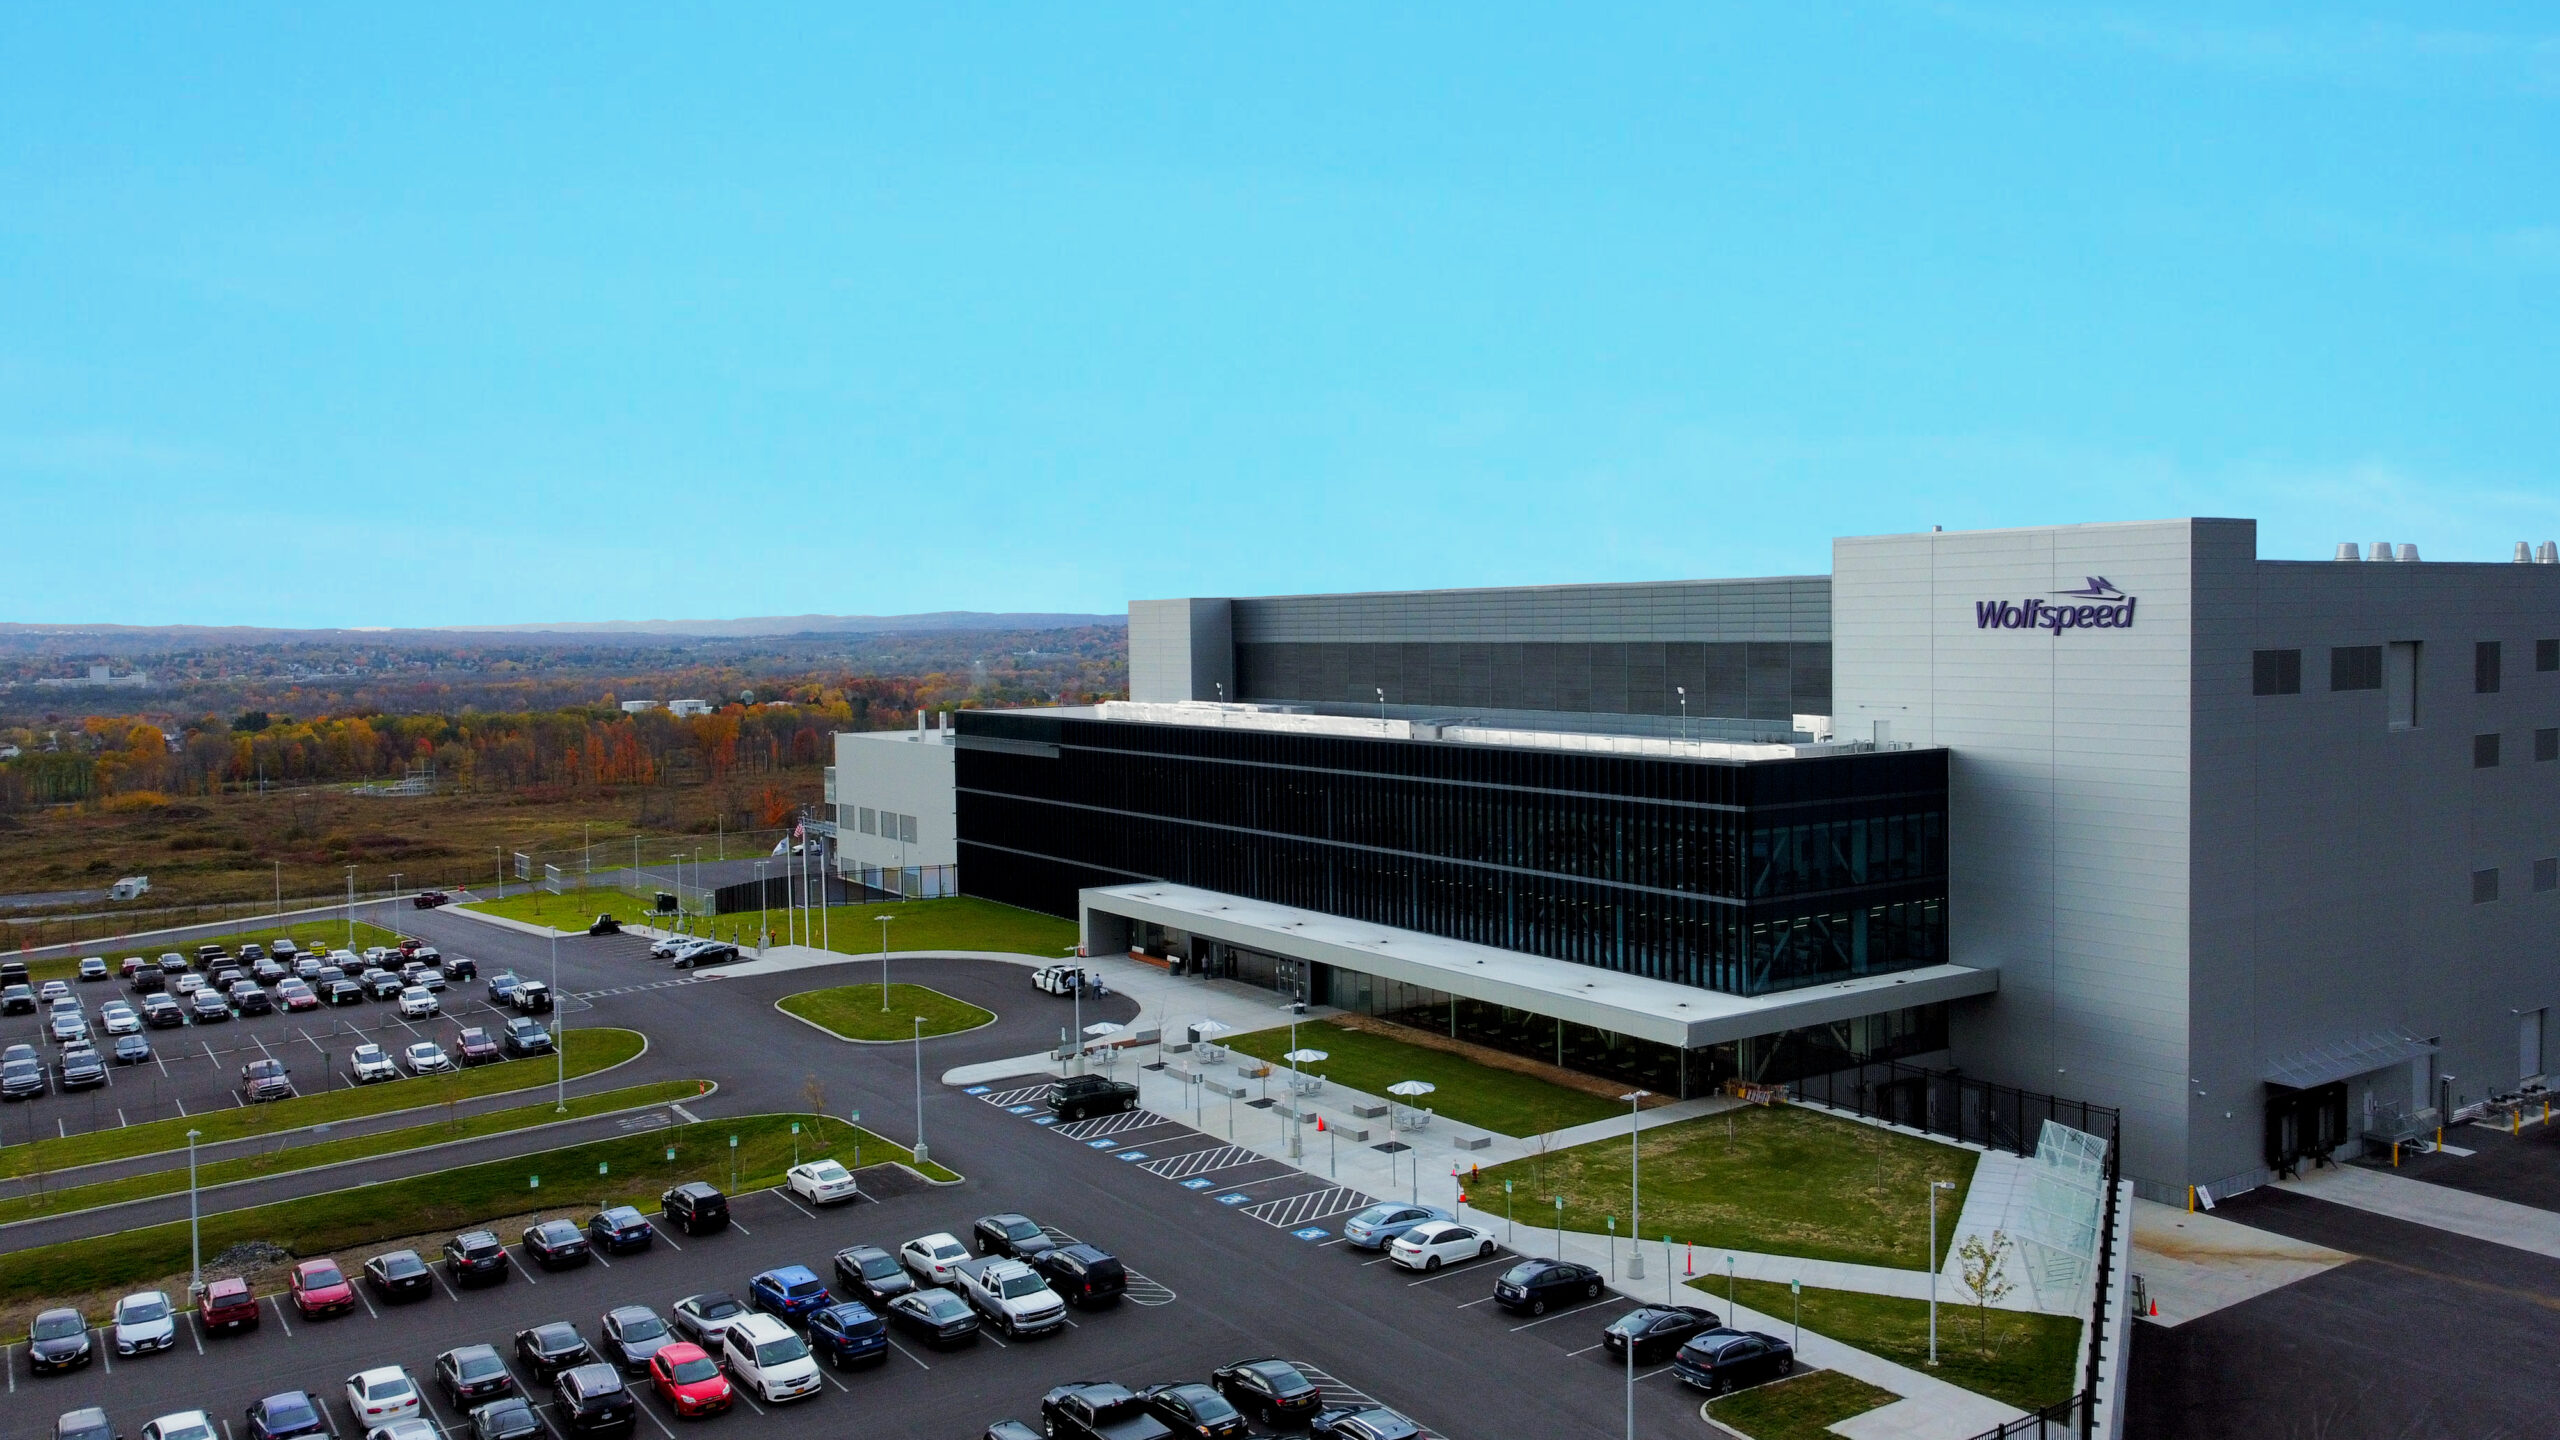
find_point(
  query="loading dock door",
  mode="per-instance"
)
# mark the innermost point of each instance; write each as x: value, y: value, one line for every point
x: 2302, y: 1124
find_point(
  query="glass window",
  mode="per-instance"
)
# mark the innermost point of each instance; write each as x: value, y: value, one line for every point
x: 2546, y: 655
x: 2484, y: 886
x: 2276, y: 672
x: 870, y: 821
x: 2484, y: 752
x: 2355, y: 667
x: 2484, y: 667
x: 2546, y: 743
x: 2546, y: 874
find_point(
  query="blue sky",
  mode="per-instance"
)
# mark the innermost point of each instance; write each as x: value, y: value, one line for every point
x: 313, y: 316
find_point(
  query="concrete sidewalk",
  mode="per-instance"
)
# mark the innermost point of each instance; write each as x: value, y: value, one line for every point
x: 2457, y: 1212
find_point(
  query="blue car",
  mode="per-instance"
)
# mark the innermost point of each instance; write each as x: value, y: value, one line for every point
x: 792, y: 1292
x: 847, y: 1333
x: 619, y: 1229
x: 285, y: 1416
x: 1378, y: 1226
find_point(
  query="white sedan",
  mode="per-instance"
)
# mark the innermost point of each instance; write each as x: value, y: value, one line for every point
x: 382, y: 1395
x: 371, y: 1063
x: 118, y: 1018
x: 184, y: 1425
x: 405, y: 1430
x: 144, y: 1322
x: 931, y: 1258
x: 417, y: 1002
x: 1428, y: 1247
x: 427, y: 1058
x: 823, y: 1182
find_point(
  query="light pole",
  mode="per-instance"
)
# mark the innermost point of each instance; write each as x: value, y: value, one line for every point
x: 1934, y: 1187
x: 921, y: 1156
x: 395, y: 885
x: 351, y: 907
x: 1684, y: 710
x: 764, y: 925
x: 884, y: 960
x: 559, y: 1028
x: 279, y: 887
x: 195, y: 1239
x: 1635, y: 1188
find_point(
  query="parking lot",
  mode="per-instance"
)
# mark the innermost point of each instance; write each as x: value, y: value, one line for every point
x: 195, y: 1068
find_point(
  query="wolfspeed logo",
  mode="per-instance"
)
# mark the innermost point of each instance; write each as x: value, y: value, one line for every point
x: 2114, y: 611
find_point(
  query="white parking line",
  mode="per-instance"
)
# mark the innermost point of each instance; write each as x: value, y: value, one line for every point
x: 195, y: 1332
x: 794, y: 1204
x: 893, y: 1344
x: 1585, y: 1350
x: 1446, y: 1271
x: 180, y: 1103
x: 10, y: 1354
x: 528, y: 1275
x: 1470, y: 1305
x: 1576, y: 1310
x: 652, y: 1414
x: 986, y: 1334
x: 226, y: 1430
x: 106, y: 1349
x: 163, y: 1064
x: 663, y: 1235
x: 287, y: 1324
x: 436, y: 1419
x: 743, y: 1230
x: 741, y: 1392
x: 368, y: 1303
x: 327, y: 1417
x: 599, y: 1257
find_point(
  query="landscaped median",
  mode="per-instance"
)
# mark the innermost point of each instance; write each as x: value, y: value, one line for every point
x: 589, y: 1051
x: 1369, y: 1059
x: 857, y: 1012
x: 1802, y: 1407
x: 628, y: 1169
x: 267, y: 1163
x: 2018, y: 1357
x: 1774, y: 1180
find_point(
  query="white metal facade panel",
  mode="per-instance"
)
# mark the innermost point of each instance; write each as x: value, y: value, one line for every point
x: 895, y: 771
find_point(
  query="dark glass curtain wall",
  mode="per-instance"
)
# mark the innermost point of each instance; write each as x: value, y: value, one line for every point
x: 1741, y: 877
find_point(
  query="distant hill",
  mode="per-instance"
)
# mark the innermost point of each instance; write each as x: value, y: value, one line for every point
x: 762, y: 625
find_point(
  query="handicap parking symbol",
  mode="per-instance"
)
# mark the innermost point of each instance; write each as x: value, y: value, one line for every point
x: 1231, y: 1199
x: 1044, y: 1119
x: 975, y: 1090
x: 1100, y: 1144
x: 1019, y: 1109
x: 1312, y: 1232
x: 1195, y: 1183
x: 1130, y: 1155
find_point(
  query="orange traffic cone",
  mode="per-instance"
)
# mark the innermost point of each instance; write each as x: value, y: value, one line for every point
x: 2155, y: 1309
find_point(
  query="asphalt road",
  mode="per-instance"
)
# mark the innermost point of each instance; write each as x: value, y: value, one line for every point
x: 1244, y: 1283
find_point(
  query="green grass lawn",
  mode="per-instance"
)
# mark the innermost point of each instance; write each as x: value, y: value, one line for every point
x: 329, y: 1152
x: 1780, y: 1180
x: 854, y: 1012
x: 2014, y: 1356
x: 960, y: 923
x: 1804, y: 1406
x: 1505, y: 1102
x: 588, y: 1052
x: 306, y: 932
x: 630, y: 1169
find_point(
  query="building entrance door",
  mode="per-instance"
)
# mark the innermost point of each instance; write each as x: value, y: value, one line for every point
x: 2304, y: 1124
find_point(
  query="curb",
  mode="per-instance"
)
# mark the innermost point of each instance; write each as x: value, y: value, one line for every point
x: 636, y: 1057
x: 992, y: 1017
x: 362, y: 1160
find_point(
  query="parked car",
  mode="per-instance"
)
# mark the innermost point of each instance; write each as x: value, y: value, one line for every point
x: 184, y: 1425
x: 417, y: 1003
x: 247, y: 999
x: 689, y: 1380
x: 1657, y: 1331
x: 1535, y: 1285
x: 790, y: 1291
x: 118, y: 1018
x: 460, y: 967
x: 1270, y: 1388
x: 160, y: 1012
x: 92, y: 968
x: 423, y: 975
x: 475, y: 1257
x: 286, y: 1415
x: 770, y: 1359
x: 548, y: 1349
x: 22, y: 1077
x: 1098, y: 1410
x: 53, y: 990
x: 398, y: 1275
x: 269, y: 972
x: 702, y: 953
x: 265, y: 1080
x: 58, y: 1341
x: 1195, y: 1410
x: 1079, y: 1096
x: 695, y: 1206
x: 525, y: 1036
x: 150, y: 980
x: 847, y: 1333
x: 1719, y: 1360
x: 381, y: 984
x: 930, y: 1258
x: 17, y: 1000
x: 872, y: 1274
x: 318, y: 1288
x: 69, y: 1027
x: 227, y: 1305
x: 369, y: 1063
x: 473, y: 1375
x: 630, y: 1334
x: 822, y: 1182
x: 1009, y: 1234
x: 132, y: 1050
x: 430, y: 899
x: 935, y: 1316
x: 426, y: 1057
x: 476, y: 1047
x: 605, y: 925
x: 1435, y: 1243
x: 382, y: 1395
x: 1083, y: 1275
x: 340, y: 992
x: 145, y: 1321
x: 1362, y: 1422
x: 508, y: 1419
x: 1011, y: 1295
x: 594, y: 1401
x: 207, y: 1007
x: 80, y: 1067
x: 558, y: 1245
x: 620, y: 1229
x: 87, y: 1423
x: 297, y: 996
x: 704, y: 1318
x: 532, y: 997
x: 502, y: 987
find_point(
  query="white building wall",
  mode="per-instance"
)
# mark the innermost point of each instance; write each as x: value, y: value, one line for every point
x: 2070, y: 831
x: 898, y: 773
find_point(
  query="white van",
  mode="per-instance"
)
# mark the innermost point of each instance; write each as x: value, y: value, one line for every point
x: 131, y: 887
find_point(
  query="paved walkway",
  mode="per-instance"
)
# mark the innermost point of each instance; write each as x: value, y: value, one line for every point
x: 2194, y: 1264
x: 2458, y: 1212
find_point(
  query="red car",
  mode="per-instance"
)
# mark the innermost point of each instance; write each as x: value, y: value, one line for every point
x: 319, y: 1288
x: 297, y: 995
x: 228, y: 1305
x: 689, y: 1379
x: 477, y: 1047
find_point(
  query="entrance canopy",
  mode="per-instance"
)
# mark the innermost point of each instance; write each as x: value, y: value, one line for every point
x: 2345, y: 1059
x: 1658, y: 1010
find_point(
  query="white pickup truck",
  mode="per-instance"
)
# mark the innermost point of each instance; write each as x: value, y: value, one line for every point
x: 1010, y: 1294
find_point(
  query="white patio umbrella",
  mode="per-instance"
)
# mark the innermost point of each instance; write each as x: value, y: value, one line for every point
x: 1099, y: 1035
x: 1411, y: 1087
x: 1305, y: 1057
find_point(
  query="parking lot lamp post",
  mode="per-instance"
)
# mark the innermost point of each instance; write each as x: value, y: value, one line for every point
x: 195, y: 1239
x: 559, y: 1027
x: 921, y: 1154
x: 884, y: 960
x: 351, y: 907
x: 764, y: 925
x: 395, y: 884
x: 1635, y: 1203
x: 1934, y: 1187
x: 1559, y: 1227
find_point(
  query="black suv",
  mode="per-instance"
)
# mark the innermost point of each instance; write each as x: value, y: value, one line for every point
x: 695, y: 1206
x: 1722, y: 1360
x: 1078, y: 1096
x: 594, y: 1401
x: 1081, y: 1274
x: 476, y: 1258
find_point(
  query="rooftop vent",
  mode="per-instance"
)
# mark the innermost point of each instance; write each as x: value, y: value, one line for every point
x: 2381, y: 549
x: 2408, y: 554
x: 2524, y: 553
x: 2549, y: 554
x: 2349, y: 550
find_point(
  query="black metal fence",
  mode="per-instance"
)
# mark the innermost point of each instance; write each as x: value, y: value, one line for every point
x: 1996, y: 1117
x: 2054, y: 1422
